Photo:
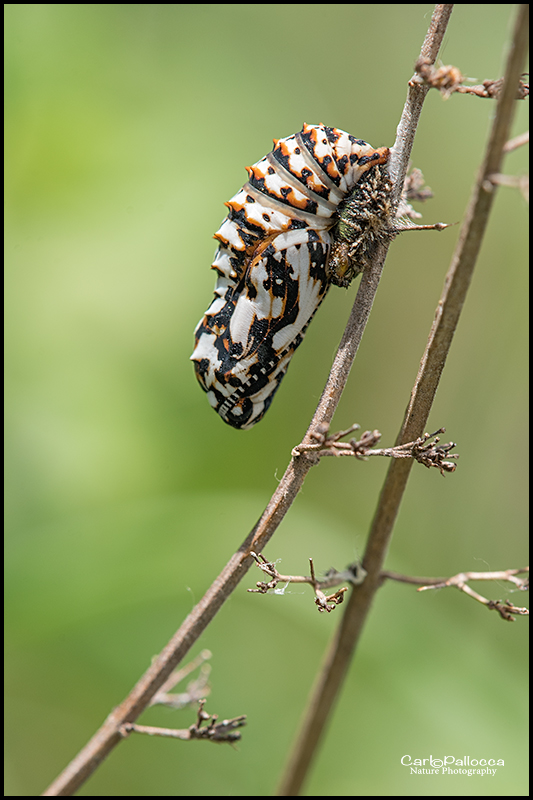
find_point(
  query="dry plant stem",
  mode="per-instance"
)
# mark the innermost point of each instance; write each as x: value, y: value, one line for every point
x: 180, y: 675
x: 355, y: 575
x: 324, y: 602
x: 185, y: 734
x: 518, y: 141
x: 506, y: 610
x: 337, y: 661
x: 438, y: 583
x: 214, y: 731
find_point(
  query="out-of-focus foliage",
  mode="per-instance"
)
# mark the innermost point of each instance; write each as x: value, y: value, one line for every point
x: 127, y: 127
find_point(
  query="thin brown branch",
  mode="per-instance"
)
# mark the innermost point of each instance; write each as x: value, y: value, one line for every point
x: 354, y: 574
x: 516, y: 142
x: 462, y: 577
x: 448, y: 79
x: 426, y: 452
x: 213, y: 731
x: 448, y: 311
x: 460, y: 581
x: 196, y: 689
x: 491, y: 89
x: 520, y: 182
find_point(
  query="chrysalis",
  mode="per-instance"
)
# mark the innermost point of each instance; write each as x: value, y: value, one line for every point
x: 273, y: 263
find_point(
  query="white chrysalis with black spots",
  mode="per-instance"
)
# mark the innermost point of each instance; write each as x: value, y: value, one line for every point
x: 272, y: 266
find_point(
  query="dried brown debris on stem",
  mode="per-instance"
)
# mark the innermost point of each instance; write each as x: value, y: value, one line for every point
x: 506, y: 609
x: 355, y: 574
x: 427, y: 449
x: 214, y: 731
x: 195, y: 693
x: 449, y: 79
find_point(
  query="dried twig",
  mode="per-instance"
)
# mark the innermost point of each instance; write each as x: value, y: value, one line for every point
x: 516, y: 142
x: 195, y: 689
x: 448, y: 79
x: 426, y: 452
x: 354, y: 574
x: 460, y: 581
x: 214, y: 731
x: 520, y: 182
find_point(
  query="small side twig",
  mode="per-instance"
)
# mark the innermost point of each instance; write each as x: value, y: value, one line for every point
x: 196, y: 689
x: 516, y: 142
x: 214, y: 731
x: 426, y: 452
x: 449, y: 79
x: 460, y: 581
x: 520, y: 182
x: 355, y: 574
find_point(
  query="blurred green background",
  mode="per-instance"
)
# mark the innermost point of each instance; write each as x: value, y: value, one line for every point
x: 128, y: 126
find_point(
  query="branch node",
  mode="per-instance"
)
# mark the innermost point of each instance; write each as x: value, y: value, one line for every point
x: 355, y: 574
x: 214, y: 731
x: 428, y: 453
x: 448, y: 79
x: 223, y: 731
